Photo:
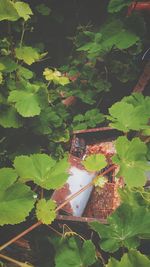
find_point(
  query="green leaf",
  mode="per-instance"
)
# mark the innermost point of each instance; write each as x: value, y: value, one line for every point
x: 55, y: 76
x: 114, y: 35
x: 94, y: 162
x: 28, y: 54
x: 124, y: 229
x: 90, y: 119
x: 69, y: 253
x: 42, y: 170
x: 25, y: 73
x: 131, y: 259
x: 45, y: 211
x: 1, y: 78
x: 9, y: 118
x: 135, y: 197
x: 43, y: 9
x: 8, y: 11
x: 23, y: 9
x: 13, y: 197
x: 88, y: 253
x: 8, y: 65
x: 26, y: 103
x: 135, y: 117
x: 131, y: 158
x: 117, y: 5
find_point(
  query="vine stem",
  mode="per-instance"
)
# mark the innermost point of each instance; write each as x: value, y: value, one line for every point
x: 19, y: 263
x: 35, y: 225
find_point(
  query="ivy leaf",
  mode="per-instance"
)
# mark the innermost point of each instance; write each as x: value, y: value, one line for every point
x: 26, y: 103
x: 43, y: 9
x: 69, y: 253
x: 94, y: 162
x: 8, y: 11
x: 124, y: 229
x: 42, y: 170
x: 131, y: 259
x: 28, y: 54
x: 45, y: 211
x: 23, y: 10
x: 13, y: 196
x: 116, y: 5
x: 9, y: 118
x: 131, y: 158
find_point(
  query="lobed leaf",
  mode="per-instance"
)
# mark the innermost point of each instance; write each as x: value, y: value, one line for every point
x: 13, y: 196
x: 45, y: 211
x: 95, y: 162
x: 42, y: 170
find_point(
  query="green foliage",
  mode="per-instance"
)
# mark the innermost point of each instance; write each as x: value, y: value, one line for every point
x: 131, y: 259
x: 14, y: 196
x: 23, y: 10
x: 45, y: 211
x: 114, y: 34
x: 131, y: 158
x: 28, y: 54
x: 124, y: 229
x: 89, y: 120
x: 135, y: 197
x: 116, y: 5
x: 131, y: 113
x: 13, y: 11
x: 42, y: 170
x: 43, y: 9
x: 55, y: 76
x: 70, y: 253
x: 94, y: 162
x: 8, y: 11
x: 9, y: 118
x: 26, y: 102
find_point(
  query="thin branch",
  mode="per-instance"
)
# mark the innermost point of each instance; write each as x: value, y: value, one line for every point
x: 19, y: 263
x: 32, y: 227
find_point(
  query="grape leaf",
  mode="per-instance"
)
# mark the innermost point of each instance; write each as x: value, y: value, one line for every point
x: 117, y: 5
x: 9, y: 118
x: 94, y: 162
x: 124, y: 229
x: 126, y: 117
x: 45, y: 211
x: 28, y: 54
x: 26, y: 103
x: 8, y: 11
x: 131, y: 259
x: 42, y: 169
x: 131, y: 158
x: 23, y: 10
x: 13, y: 196
x: 69, y: 253
x: 55, y: 76
x: 25, y: 73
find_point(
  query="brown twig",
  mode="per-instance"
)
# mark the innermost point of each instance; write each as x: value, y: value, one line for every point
x: 19, y: 263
